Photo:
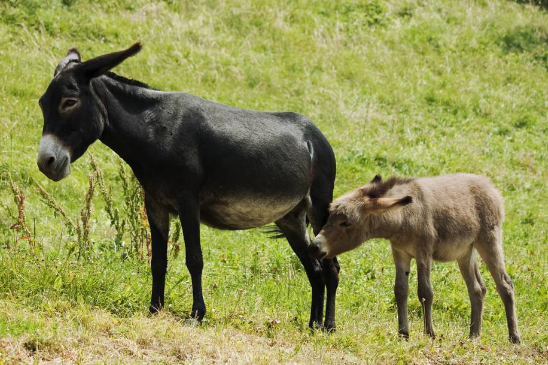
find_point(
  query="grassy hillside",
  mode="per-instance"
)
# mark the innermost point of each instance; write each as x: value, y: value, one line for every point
x: 398, y: 87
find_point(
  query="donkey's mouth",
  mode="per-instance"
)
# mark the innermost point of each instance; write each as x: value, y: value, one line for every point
x: 63, y: 171
x: 58, y: 171
x: 53, y: 158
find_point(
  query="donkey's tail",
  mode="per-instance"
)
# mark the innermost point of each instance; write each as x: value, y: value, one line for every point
x: 273, y: 232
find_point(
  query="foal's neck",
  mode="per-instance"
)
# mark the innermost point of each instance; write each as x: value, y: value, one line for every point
x: 383, y: 225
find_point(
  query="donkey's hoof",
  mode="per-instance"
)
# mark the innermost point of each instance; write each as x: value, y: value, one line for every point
x: 198, y: 313
x: 315, y: 326
x: 329, y: 327
x: 154, y: 309
x: 192, y: 322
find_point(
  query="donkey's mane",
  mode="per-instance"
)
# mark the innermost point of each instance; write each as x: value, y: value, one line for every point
x: 378, y: 189
x: 127, y: 81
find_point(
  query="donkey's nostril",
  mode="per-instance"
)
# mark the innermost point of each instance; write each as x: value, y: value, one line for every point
x: 50, y: 161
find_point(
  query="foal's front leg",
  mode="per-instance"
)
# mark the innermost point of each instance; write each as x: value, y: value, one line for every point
x: 189, y: 213
x: 401, y: 289
x: 158, y: 219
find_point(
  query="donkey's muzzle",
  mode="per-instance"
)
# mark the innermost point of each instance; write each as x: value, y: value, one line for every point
x: 53, y: 158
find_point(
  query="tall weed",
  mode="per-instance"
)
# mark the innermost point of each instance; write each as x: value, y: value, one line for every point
x: 79, y: 227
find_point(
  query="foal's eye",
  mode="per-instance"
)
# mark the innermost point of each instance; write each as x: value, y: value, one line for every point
x: 345, y: 224
x: 68, y: 103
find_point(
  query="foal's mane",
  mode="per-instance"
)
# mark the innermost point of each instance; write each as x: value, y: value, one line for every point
x: 127, y: 81
x: 378, y: 189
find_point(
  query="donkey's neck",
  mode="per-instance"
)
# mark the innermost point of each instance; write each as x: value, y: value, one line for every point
x: 131, y: 117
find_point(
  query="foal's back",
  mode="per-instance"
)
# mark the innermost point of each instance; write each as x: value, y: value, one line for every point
x: 453, y: 211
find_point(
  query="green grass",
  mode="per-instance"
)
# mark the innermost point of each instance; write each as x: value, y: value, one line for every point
x: 398, y: 87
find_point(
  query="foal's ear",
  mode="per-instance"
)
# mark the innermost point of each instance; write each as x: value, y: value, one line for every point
x: 71, y: 59
x: 99, y: 65
x: 376, y: 179
x: 382, y: 205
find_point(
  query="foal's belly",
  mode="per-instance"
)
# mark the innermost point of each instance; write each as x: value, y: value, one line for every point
x: 452, y: 250
x: 245, y: 212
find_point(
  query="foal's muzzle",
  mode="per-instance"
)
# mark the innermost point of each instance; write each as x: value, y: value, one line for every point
x: 316, y: 250
x: 53, y: 158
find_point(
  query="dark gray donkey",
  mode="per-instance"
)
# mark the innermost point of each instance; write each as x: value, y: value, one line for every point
x: 441, y: 218
x: 227, y: 167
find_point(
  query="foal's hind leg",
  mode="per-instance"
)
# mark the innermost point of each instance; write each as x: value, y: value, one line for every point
x: 469, y: 269
x: 425, y: 292
x: 293, y: 226
x: 490, y: 250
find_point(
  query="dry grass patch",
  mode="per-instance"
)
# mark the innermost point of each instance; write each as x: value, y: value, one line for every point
x: 83, y: 335
x: 88, y: 336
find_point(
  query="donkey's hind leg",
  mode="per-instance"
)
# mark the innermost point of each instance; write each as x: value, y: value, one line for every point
x: 293, y: 226
x: 489, y: 247
x: 469, y: 269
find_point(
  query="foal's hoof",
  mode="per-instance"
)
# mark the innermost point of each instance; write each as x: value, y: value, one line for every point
x: 474, y: 336
x: 403, y: 335
x: 515, y: 339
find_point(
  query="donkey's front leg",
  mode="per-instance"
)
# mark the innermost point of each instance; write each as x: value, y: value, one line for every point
x: 426, y: 294
x: 401, y: 289
x: 158, y: 219
x: 189, y: 213
x: 330, y: 271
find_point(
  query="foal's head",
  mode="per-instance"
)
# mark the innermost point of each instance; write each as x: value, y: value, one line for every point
x: 74, y: 117
x: 346, y: 227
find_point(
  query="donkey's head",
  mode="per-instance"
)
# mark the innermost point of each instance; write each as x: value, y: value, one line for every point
x: 74, y: 117
x: 346, y: 227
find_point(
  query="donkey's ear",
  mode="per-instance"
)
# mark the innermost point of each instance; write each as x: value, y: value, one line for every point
x: 71, y: 59
x: 382, y: 205
x: 99, y: 65
x: 376, y: 179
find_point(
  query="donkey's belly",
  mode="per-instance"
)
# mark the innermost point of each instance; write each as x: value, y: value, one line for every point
x: 244, y: 213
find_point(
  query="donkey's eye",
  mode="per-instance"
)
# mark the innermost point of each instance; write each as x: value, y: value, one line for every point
x: 68, y: 103
x: 345, y: 224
